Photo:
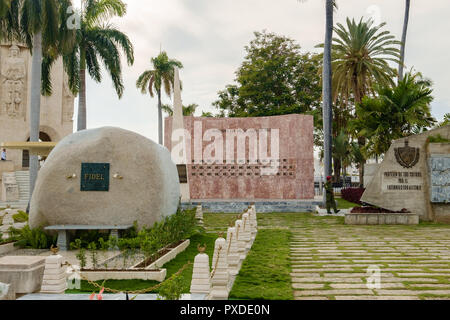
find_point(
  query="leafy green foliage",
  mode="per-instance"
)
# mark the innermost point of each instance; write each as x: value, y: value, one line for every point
x: 171, y: 230
x: 92, y: 247
x: 88, y: 236
x: 172, y: 267
x: 99, y: 41
x: 274, y: 79
x: 33, y: 238
x: 161, y: 76
x: 172, y: 288
x: 437, y: 139
x: 446, y: 120
x: 395, y: 113
x: 20, y: 217
x: 188, y: 110
x: 360, y: 55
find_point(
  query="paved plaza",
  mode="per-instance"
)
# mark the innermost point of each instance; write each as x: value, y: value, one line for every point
x: 330, y: 260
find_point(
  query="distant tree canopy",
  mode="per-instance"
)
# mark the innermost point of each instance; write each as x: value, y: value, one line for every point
x: 274, y: 79
x: 188, y: 110
x: 446, y: 120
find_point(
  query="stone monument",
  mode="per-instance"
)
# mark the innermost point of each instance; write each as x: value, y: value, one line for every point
x: 415, y: 175
x: 56, y: 110
x: 106, y: 176
x: 10, y: 189
x: 178, y: 136
x: 266, y: 158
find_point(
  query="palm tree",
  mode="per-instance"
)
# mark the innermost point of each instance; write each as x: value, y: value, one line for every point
x: 97, y: 40
x: 39, y: 27
x: 188, y: 110
x: 4, y: 7
x: 341, y: 152
x: 360, y: 58
x: 394, y: 113
x: 446, y: 120
x: 8, y: 25
x: 403, y: 45
x: 327, y: 89
x: 153, y: 80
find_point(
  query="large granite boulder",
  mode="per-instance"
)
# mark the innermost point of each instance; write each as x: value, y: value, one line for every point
x: 142, y: 184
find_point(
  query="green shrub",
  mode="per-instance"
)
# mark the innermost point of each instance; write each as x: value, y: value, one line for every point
x: 33, y: 238
x: 437, y: 139
x: 172, y: 288
x: 171, y: 230
x: 20, y: 217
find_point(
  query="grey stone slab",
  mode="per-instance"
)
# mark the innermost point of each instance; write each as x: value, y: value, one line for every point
x: 304, y: 286
x: 333, y: 292
x: 364, y: 285
x: 326, y: 280
x: 376, y: 298
x: 310, y: 298
x: 412, y: 292
x: 333, y: 269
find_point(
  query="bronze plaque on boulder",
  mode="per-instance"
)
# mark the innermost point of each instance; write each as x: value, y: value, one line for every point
x: 95, y: 176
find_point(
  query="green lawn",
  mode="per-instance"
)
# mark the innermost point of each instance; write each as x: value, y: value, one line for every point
x: 344, y: 204
x: 265, y: 274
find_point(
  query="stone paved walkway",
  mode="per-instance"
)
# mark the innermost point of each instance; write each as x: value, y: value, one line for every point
x: 330, y: 260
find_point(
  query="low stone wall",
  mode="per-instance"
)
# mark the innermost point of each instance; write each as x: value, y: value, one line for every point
x: 382, y: 219
x: 7, y: 248
x: 262, y: 206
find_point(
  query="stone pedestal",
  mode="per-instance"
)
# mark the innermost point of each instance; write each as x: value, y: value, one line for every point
x: 63, y: 240
x: 201, y: 282
x: 220, y: 276
x: 54, y: 280
x: 246, y: 231
x: 199, y: 215
x: 10, y: 189
x: 239, y: 239
x: 8, y: 219
x: 253, y: 222
x: 233, y: 256
x: 24, y: 273
x: 7, y: 223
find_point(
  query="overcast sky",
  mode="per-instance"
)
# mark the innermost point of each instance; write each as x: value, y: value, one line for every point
x: 208, y: 37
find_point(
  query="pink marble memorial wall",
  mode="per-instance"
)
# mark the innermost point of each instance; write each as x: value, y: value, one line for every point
x: 214, y: 173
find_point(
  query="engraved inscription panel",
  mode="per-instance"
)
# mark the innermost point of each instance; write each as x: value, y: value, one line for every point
x: 95, y: 176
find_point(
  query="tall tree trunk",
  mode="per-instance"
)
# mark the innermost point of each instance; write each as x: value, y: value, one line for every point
x: 337, y: 169
x: 35, y: 104
x: 81, y: 122
x: 160, y: 124
x: 402, y: 49
x: 362, y: 164
x: 327, y: 95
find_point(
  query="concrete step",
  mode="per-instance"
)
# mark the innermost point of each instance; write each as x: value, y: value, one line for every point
x: 15, y: 205
x: 23, y: 181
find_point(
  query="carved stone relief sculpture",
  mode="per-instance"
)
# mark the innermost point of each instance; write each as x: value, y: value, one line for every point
x: 14, y: 77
